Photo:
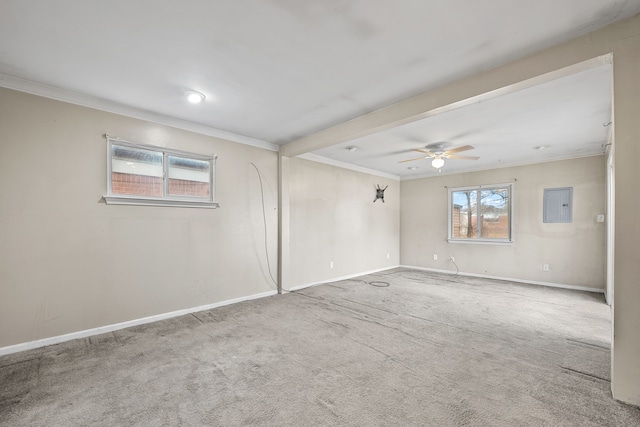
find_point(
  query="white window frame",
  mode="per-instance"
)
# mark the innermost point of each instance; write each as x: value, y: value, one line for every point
x: 481, y: 240
x: 166, y: 200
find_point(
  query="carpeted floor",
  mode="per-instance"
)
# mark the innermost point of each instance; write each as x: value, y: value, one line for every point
x: 427, y: 350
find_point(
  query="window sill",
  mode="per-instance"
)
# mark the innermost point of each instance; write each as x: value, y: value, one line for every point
x: 147, y: 201
x: 482, y: 242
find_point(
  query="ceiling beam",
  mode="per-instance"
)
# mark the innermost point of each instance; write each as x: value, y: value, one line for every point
x: 536, y: 69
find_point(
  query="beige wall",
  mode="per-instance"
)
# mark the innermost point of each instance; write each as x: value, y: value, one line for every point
x: 626, y: 342
x: 622, y: 40
x: 333, y: 218
x: 68, y: 262
x: 575, y: 252
x: 34, y: 220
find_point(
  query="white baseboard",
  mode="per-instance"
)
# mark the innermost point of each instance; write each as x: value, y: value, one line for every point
x: 110, y: 328
x: 510, y: 279
x: 117, y: 326
x: 337, y: 279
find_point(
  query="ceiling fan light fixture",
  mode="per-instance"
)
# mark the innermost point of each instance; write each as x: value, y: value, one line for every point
x: 437, y: 163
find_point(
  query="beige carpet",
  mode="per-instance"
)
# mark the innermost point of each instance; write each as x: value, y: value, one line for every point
x: 428, y: 350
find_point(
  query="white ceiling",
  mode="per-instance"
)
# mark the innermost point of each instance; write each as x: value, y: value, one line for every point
x: 566, y: 116
x: 278, y: 70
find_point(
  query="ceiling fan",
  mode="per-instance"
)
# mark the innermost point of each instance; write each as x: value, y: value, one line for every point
x: 438, y: 155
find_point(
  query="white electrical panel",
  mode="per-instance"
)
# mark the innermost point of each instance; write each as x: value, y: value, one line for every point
x: 558, y: 205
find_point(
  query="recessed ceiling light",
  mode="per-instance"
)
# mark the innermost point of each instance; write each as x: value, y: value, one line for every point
x: 351, y: 148
x: 195, y: 97
x: 540, y: 147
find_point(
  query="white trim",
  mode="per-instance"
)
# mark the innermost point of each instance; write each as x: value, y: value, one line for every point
x: 481, y: 242
x: 510, y: 279
x: 117, y: 326
x: 501, y: 166
x: 343, y: 165
x: 337, y: 279
x: 611, y: 223
x: 30, y: 345
x: 102, y: 104
x: 149, y: 201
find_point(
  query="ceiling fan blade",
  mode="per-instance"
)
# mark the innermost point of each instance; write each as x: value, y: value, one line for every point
x: 455, y: 156
x: 411, y: 160
x: 459, y: 149
x: 425, y: 152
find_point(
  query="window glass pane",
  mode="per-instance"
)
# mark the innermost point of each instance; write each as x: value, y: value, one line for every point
x: 189, y: 177
x: 464, y: 214
x: 494, y: 213
x: 136, y: 171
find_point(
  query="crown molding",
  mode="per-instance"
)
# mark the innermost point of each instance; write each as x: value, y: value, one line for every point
x: 343, y: 165
x: 84, y: 100
x: 503, y: 166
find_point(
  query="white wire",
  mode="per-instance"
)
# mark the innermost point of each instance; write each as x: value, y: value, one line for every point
x: 457, y: 269
x: 264, y: 221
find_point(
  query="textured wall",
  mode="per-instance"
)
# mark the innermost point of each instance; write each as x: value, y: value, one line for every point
x: 69, y: 262
x: 575, y: 252
x: 333, y: 219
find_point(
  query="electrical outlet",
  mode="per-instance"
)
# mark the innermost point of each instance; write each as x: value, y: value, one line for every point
x: 545, y: 267
x: 330, y: 264
x: 453, y: 259
x: 435, y: 257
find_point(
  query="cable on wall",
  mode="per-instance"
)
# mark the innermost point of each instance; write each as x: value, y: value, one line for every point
x: 264, y: 221
x: 378, y: 284
x: 457, y: 269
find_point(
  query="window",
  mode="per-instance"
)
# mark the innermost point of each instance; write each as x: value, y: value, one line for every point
x: 481, y: 214
x: 145, y: 175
